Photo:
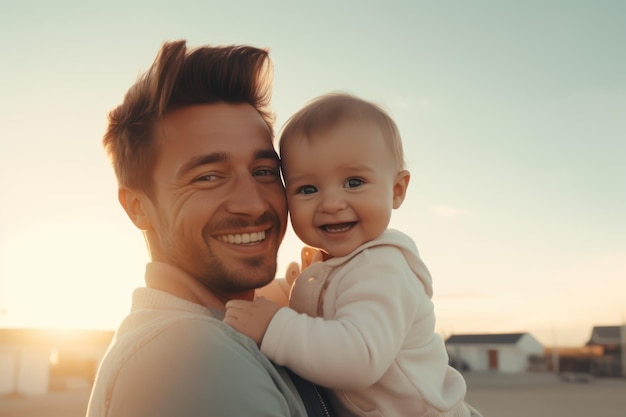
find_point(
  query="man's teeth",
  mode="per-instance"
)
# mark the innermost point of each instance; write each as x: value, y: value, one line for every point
x: 243, y: 238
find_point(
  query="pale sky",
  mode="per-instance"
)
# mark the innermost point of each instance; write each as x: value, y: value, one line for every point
x: 513, y: 116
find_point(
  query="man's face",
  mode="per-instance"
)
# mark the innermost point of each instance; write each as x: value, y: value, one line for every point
x: 218, y: 210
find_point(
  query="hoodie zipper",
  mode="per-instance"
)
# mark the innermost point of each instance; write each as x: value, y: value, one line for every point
x: 321, y: 400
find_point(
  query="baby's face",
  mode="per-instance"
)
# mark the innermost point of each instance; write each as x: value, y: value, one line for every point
x: 342, y: 185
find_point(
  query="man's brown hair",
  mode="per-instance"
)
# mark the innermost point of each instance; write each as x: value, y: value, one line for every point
x: 181, y: 77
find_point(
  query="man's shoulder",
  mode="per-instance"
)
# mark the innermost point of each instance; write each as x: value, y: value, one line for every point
x: 194, y: 361
x: 187, y: 335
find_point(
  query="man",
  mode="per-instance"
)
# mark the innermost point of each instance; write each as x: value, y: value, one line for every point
x: 192, y: 149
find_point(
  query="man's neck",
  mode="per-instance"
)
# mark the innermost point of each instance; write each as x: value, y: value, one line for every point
x: 172, y: 280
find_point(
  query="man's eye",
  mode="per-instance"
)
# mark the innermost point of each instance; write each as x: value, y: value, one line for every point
x: 206, y: 178
x: 265, y: 173
x: 306, y: 189
x: 353, y: 183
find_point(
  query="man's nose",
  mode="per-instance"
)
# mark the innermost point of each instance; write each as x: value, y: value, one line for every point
x: 246, y: 197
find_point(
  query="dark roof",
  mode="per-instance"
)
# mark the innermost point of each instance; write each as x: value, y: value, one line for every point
x: 605, y: 335
x: 55, y: 338
x: 501, y: 338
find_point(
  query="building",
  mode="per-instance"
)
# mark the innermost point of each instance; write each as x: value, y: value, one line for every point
x: 611, y: 341
x: 505, y: 352
x: 35, y: 361
x: 572, y: 360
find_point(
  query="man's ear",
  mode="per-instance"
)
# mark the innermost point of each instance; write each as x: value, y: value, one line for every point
x: 400, y: 186
x: 135, y: 204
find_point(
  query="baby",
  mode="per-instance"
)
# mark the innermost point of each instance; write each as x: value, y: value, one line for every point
x: 360, y: 322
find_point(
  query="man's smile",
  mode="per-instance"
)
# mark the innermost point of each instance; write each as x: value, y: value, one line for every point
x: 243, y: 238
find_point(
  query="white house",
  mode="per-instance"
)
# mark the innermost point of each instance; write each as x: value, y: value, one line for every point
x: 32, y: 359
x: 508, y: 352
x: 24, y: 369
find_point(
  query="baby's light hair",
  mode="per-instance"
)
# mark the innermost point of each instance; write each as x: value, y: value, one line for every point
x: 329, y: 110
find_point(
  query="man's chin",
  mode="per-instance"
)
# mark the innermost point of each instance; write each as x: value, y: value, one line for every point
x: 256, y: 275
x: 266, y: 281
x: 265, y: 277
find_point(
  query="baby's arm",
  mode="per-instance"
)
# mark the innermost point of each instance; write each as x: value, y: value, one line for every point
x: 375, y: 307
x: 251, y: 317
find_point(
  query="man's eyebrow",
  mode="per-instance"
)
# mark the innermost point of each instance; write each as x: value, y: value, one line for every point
x: 202, y: 160
x: 216, y: 157
x: 267, y: 154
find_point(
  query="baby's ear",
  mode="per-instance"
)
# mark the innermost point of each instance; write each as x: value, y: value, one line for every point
x: 400, y: 186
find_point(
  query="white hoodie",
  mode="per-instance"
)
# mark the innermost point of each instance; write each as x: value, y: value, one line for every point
x: 364, y: 326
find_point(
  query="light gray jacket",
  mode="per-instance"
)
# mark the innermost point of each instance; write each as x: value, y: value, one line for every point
x: 173, y: 358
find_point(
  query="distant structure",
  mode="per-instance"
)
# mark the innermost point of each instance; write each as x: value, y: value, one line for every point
x: 612, y: 342
x: 36, y: 361
x: 570, y: 362
x: 503, y: 352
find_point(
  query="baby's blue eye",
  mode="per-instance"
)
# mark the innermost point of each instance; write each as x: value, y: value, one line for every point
x: 354, y: 182
x: 306, y: 189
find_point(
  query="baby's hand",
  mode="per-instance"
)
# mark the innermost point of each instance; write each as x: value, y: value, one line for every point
x: 251, y: 317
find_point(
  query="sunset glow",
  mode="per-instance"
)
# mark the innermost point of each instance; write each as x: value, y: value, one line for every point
x: 512, y: 118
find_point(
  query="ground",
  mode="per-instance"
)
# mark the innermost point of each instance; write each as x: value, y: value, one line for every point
x: 494, y: 395
x: 545, y: 395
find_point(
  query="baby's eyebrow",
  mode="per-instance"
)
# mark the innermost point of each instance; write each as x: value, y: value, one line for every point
x: 360, y: 168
